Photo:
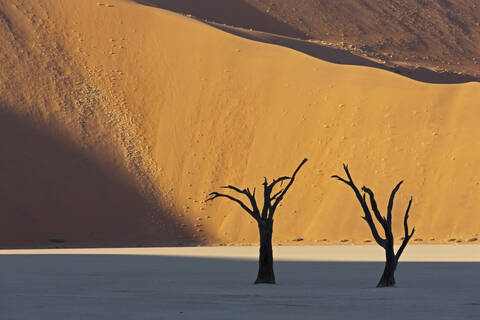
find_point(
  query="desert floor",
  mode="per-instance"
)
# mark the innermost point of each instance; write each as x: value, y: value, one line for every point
x: 325, y: 282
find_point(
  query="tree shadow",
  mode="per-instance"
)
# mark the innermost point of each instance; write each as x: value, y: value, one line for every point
x: 52, y: 194
x: 230, y: 16
x: 168, y: 287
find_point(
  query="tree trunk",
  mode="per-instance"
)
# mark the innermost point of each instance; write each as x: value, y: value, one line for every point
x: 388, y: 277
x: 265, y: 263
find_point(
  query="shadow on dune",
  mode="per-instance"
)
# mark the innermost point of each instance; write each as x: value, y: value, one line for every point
x: 233, y: 13
x: 340, y: 56
x: 166, y: 287
x: 229, y: 15
x: 54, y: 194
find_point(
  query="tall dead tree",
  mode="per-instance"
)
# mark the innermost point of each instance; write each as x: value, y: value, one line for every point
x: 388, y: 277
x: 264, y: 218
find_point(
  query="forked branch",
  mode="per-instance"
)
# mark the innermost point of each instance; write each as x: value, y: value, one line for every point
x: 362, y: 199
x: 214, y: 195
x: 268, y: 209
x: 282, y: 193
x: 250, y: 196
x: 373, y: 204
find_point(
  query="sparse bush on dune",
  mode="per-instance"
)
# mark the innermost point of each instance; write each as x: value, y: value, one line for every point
x: 263, y: 218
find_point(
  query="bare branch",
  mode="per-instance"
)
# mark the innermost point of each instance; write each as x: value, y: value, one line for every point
x: 390, y: 202
x: 374, y: 206
x: 381, y: 242
x: 361, y: 198
x: 215, y: 195
x: 266, y: 200
x: 298, y: 168
x: 275, y: 181
x: 349, y: 181
x: 282, y: 194
x: 255, y: 213
x: 233, y: 188
x: 407, y: 236
x: 405, y: 219
x: 341, y: 179
x: 253, y: 202
x: 345, y: 168
x: 276, y: 195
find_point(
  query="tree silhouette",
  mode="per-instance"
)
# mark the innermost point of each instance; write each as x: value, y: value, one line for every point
x: 264, y: 218
x: 388, y: 277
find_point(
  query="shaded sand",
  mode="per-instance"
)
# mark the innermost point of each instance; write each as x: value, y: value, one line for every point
x: 206, y: 284
x: 118, y: 119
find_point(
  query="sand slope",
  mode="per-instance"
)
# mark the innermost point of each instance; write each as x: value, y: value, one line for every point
x: 443, y: 35
x: 118, y: 119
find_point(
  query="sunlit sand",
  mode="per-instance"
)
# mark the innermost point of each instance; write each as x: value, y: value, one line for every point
x: 120, y: 118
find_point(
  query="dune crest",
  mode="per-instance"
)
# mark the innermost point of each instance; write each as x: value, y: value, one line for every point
x: 426, y: 39
x: 164, y: 109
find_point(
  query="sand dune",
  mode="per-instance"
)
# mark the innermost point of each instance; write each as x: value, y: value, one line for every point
x: 121, y: 118
x: 339, y: 55
x: 410, y: 34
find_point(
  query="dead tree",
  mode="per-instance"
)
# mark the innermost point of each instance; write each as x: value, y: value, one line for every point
x: 264, y: 218
x: 388, y: 277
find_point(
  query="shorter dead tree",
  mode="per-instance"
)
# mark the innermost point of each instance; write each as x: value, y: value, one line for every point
x: 264, y: 218
x: 388, y: 277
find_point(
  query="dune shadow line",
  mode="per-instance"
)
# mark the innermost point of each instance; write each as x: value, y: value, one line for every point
x: 230, y: 16
x: 233, y: 13
x: 344, y: 57
x: 53, y: 194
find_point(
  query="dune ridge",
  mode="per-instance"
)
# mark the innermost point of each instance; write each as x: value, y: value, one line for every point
x: 440, y: 36
x: 166, y: 109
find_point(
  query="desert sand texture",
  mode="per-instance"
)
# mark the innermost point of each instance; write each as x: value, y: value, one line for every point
x: 330, y: 282
x: 117, y: 119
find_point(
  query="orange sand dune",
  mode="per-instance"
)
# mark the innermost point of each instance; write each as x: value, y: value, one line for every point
x: 336, y: 54
x: 118, y: 119
x: 407, y: 34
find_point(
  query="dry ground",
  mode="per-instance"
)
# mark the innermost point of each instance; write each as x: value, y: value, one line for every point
x: 434, y: 282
